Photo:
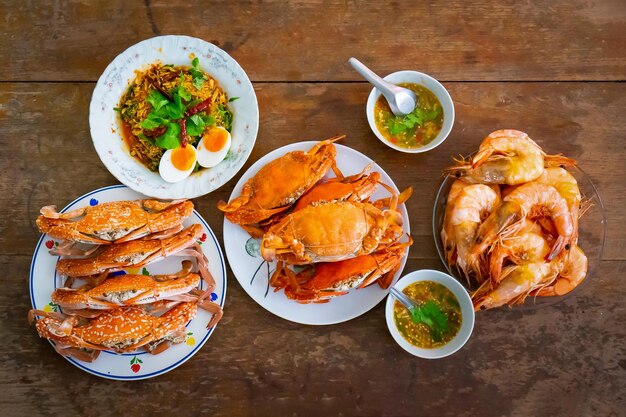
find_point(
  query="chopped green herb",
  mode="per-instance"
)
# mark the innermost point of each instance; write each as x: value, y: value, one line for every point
x: 431, y: 315
x: 225, y: 116
x: 184, y: 94
x: 230, y: 100
x: 195, y: 125
x: 153, y: 121
x: 171, y: 138
x: 157, y: 99
x: 197, y: 76
x: 208, y: 120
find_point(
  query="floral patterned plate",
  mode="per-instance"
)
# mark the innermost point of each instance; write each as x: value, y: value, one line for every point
x: 253, y: 272
x: 140, y: 364
x: 105, y: 124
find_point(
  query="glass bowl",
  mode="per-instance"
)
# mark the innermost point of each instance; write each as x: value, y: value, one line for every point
x: 591, y: 239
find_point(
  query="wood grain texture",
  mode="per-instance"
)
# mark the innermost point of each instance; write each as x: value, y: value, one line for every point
x: 312, y: 40
x: 53, y: 162
x: 564, y: 360
x: 567, y: 359
x: 506, y: 64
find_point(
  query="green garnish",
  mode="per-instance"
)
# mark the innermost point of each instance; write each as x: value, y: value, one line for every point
x: 157, y: 100
x: 432, y: 316
x: 197, y: 76
x: 184, y: 94
x: 230, y: 100
x: 225, y: 116
x: 171, y: 138
x: 418, y: 117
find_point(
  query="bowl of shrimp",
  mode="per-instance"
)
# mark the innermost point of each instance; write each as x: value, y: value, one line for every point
x: 518, y: 226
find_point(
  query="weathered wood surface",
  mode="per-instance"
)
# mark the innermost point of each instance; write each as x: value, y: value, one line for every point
x: 312, y: 40
x: 568, y: 359
x: 54, y: 149
x: 257, y: 364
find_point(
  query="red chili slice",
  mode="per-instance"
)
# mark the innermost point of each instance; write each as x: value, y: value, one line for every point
x: 183, y: 132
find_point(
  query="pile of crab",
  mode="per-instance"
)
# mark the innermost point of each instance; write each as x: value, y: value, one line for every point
x: 511, y: 222
x: 105, y: 309
x: 329, y: 227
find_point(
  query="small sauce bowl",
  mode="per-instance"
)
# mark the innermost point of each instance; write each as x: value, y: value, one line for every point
x: 430, y: 83
x: 467, y: 313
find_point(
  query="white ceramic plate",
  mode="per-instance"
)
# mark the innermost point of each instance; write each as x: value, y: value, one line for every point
x: 105, y: 123
x: 138, y: 365
x: 253, y: 272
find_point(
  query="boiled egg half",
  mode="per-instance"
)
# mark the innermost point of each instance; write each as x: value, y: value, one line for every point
x: 177, y: 164
x: 213, y: 147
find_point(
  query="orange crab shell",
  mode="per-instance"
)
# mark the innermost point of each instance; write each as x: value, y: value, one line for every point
x: 332, y: 279
x: 280, y: 183
x: 133, y: 253
x: 330, y: 232
x: 124, y: 290
x: 116, y: 221
x: 357, y: 187
x: 122, y: 330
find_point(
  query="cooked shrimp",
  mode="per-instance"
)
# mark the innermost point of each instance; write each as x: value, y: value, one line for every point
x: 566, y: 185
x: 507, y: 157
x: 520, y: 280
x: 473, y: 204
x: 572, y: 268
x: 530, y: 200
x: 520, y: 249
x: 447, y: 233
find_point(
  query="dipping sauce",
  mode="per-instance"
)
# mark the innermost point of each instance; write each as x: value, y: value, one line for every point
x: 439, y: 318
x: 416, y: 129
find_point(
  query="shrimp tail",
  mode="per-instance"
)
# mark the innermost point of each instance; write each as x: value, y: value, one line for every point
x: 558, y: 160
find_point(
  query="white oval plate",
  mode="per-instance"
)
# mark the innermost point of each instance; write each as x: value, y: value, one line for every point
x: 139, y: 365
x: 105, y: 124
x: 253, y: 272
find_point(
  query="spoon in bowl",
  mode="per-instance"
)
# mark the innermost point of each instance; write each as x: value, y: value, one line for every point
x: 402, y: 101
x: 406, y: 301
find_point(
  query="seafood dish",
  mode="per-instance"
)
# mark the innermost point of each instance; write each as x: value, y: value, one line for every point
x: 100, y: 306
x: 326, y: 235
x: 511, y: 219
x: 176, y: 120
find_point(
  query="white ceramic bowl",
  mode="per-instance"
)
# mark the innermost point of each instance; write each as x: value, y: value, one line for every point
x: 467, y: 313
x: 428, y: 82
x: 105, y: 124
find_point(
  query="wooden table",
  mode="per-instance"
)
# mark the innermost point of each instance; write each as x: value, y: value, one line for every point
x: 553, y: 69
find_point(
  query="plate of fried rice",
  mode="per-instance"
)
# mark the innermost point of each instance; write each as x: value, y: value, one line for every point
x: 164, y: 93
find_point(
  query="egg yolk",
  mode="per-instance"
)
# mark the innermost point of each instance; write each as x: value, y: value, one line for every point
x: 183, y: 158
x: 215, y: 139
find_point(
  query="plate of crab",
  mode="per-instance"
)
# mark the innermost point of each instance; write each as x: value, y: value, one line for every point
x: 315, y: 232
x: 126, y: 287
x: 506, y: 223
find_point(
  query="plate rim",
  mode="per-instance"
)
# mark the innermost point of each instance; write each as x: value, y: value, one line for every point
x: 179, y: 362
x: 327, y: 323
x: 167, y: 192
